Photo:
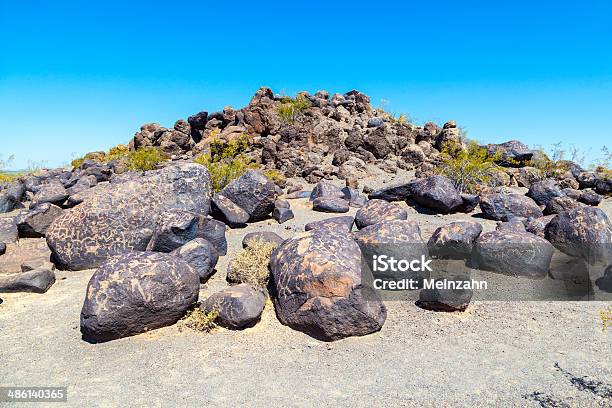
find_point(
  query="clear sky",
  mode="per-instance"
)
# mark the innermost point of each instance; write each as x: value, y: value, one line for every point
x: 77, y: 76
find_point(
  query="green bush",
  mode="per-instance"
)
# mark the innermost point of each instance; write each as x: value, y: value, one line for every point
x: 145, y: 158
x: 196, y: 319
x: 250, y: 265
x: 275, y: 176
x: 467, y: 168
x: 226, y: 161
x: 289, y: 109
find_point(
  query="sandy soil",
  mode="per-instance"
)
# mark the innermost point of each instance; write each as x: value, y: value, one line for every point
x: 514, y: 354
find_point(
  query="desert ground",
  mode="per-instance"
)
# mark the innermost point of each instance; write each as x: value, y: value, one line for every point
x: 496, y: 353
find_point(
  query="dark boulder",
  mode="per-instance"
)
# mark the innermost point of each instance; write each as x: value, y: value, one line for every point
x: 223, y: 209
x: 604, y: 187
x: 330, y: 204
x: 375, y: 211
x: 468, y: 203
x: 605, y: 282
x: 36, y: 222
x: 516, y: 224
x: 262, y: 236
x: 214, y: 232
x: 537, y: 226
x: 454, y: 240
x: 282, y: 215
x: 543, y: 191
x: 11, y: 197
x: 124, y: 217
x: 342, y: 224
x: 137, y: 292
x: 201, y: 255
x: 589, y: 197
x: 587, y: 179
x: 36, y: 281
x: 2, y: 248
x: 501, y: 207
x: 377, y: 142
x: 174, y: 229
x: 237, y: 307
x: 53, y: 193
x: 446, y: 295
x: 560, y: 204
x: 511, y: 153
x: 317, y: 277
x: 327, y: 190
x: 512, y: 253
x: 252, y: 192
x: 584, y: 232
x: 399, y: 239
x: 437, y: 193
x: 397, y: 192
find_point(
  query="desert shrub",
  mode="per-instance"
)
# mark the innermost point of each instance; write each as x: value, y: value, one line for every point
x: 197, y: 320
x: 289, y: 109
x: 226, y: 161
x: 275, y: 176
x: 120, y: 152
x: 6, y: 176
x: 145, y: 158
x: 250, y: 265
x: 467, y: 168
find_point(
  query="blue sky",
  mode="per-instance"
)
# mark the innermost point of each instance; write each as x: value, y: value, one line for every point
x: 80, y: 76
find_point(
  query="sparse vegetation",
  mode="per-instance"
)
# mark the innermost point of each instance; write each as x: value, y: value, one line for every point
x: 4, y: 175
x: 250, y: 265
x: 226, y: 161
x: 289, y: 108
x: 197, y: 320
x: 143, y: 158
x: 467, y: 168
x: 275, y: 176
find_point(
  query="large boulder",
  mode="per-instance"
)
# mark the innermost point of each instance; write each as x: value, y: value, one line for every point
x: 437, y: 193
x: 8, y: 229
x: 252, y: 192
x: 396, y: 192
x: 225, y: 210
x: 137, y: 292
x: 584, y: 232
x: 544, y: 191
x: 375, y: 211
x: 236, y: 307
x: 511, y: 153
x: 454, y: 240
x: 512, y: 253
x: 123, y: 218
x: 325, y: 189
x: 53, y: 193
x: 537, y: 226
x: 502, y: 207
x: 201, y: 255
x: 11, y: 197
x: 559, y: 204
x: 442, y: 297
x: 318, y: 282
x: 214, y: 232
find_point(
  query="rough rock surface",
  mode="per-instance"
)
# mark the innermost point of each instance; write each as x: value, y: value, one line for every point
x: 454, y: 240
x: 137, y: 292
x: 543, y: 191
x: 201, y: 255
x: 124, y: 218
x: 584, y: 232
x: 446, y: 300
x: 174, y: 229
x: 343, y: 224
x: 512, y: 253
x: 436, y: 193
x: 376, y: 211
x: 252, y: 192
x: 317, y: 277
x: 225, y: 210
x: 237, y: 306
x: 330, y: 204
x: 37, y: 281
x: 557, y: 205
x: 502, y: 207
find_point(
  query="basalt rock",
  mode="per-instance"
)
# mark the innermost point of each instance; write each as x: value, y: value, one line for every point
x: 343, y: 224
x: 537, y: 226
x: 137, y: 292
x: 201, y: 255
x: 454, y: 240
x: 501, y: 207
x: 238, y: 306
x: 589, y: 197
x: 437, y: 193
x: 446, y: 299
x: 326, y: 190
x: 35, y: 223
x: 512, y: 253
x: 317, y: 277
x: 584, y: 232
x: 330, y: 204
x: 543, y: 191
x: 36, y: 281
x: 225, y: 210
x: 174, y: 229
x: 397, y: 192
x: 124, y: 218
x: 252, y: 192
x: 262, y: 236
x: 376, y: 211
x: 559, y: 204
